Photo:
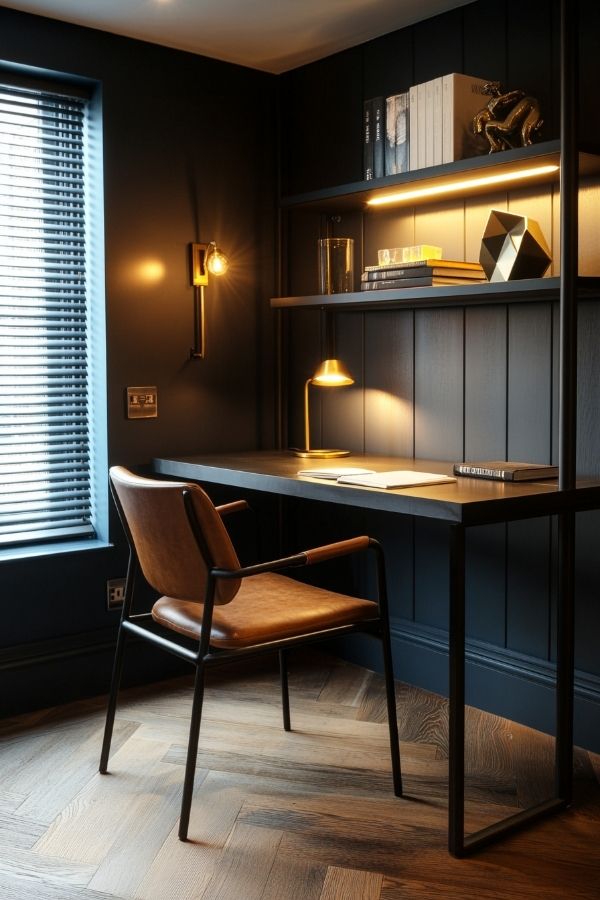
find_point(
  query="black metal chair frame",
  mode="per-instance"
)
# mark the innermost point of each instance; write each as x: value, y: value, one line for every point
x: 143, y: 626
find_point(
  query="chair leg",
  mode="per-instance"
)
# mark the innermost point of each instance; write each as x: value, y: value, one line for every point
x: 112, y: 699
x: 285, y: 694
x: 390, y: 693
x: 192, y: 754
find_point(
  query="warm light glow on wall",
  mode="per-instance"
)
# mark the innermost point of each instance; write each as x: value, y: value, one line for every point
x: 451, y: 187
x: 151, y: 271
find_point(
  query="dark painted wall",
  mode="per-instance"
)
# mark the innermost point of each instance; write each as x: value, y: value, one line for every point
x: 453, y: 383
x: 189, y: 154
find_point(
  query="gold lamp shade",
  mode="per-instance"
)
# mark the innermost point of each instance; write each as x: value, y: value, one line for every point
x: 331, y: 373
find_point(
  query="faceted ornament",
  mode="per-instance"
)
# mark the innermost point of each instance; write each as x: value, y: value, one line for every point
x: 513, y: 247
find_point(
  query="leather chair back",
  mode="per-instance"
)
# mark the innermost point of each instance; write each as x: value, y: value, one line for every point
x: 170, y: 557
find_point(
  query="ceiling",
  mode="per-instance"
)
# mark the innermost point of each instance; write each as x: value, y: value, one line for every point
x: 271, y: 35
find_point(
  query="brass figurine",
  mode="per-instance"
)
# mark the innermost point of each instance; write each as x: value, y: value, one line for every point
x: 510, y: 118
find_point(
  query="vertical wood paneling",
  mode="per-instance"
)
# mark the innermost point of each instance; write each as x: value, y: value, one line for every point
x: 387, y: 228
x: 443, y: 226
x: 485, y: 382
x: 342, y: 409
x: 484, y: 26
x: 529, y: 55
x: 389, y: 383
x: 528, y: 587
x: 589, y: 227
x: 439, y: 384
x: 438, y: 44
x: 588, y: 389
x: 381, y: 78
x: 485, y: 585
x: 529, y: 382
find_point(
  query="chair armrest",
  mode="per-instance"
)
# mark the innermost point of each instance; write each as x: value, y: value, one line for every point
x: 236, y: 506
x: 305, y: 558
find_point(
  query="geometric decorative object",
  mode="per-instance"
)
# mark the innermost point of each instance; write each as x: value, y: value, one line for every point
x: 513, y: 247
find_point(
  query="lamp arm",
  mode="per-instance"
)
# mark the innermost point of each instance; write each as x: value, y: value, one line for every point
x: 306, y: 418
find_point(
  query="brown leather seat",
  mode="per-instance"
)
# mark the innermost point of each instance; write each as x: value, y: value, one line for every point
x: 178, y: 540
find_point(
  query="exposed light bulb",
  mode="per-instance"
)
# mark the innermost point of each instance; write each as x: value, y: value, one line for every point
x: 216, y: 261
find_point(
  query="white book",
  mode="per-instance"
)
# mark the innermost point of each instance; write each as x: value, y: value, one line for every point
x: 421, y: 111
x: 462, y: 98
x: 332, y: 473
x: 429, y: 123
x: 403, y: 478
x: 437, y: 122
x: 413, y: 128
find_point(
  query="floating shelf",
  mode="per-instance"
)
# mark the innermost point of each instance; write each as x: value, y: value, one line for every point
x: 466, y: 171
x: 481, y: 293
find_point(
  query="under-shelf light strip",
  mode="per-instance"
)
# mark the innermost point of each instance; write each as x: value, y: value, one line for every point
x: 465, y: 185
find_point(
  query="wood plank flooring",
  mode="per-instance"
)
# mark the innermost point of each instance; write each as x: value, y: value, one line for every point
x: 305, y: 815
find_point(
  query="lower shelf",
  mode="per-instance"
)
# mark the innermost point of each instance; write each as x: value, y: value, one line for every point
x: 524, y: 291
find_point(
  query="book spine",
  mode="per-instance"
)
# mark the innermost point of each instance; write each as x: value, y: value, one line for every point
x: 390, y: 134
x: 432, y: 271
x: 397, y: 273
x: 421, y: 140
x: 483, y: 472
x: 367, y: 140
x: 429, y: 130
x: 447, y: 120
x: 378, y: 137
x: 437, y: 121
x: 402, y: 133
x: 413, y: 160
x: 391, y: 283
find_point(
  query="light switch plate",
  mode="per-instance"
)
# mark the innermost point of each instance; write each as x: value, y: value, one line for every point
x: 142, y: 402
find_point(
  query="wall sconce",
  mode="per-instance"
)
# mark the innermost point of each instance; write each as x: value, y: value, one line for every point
x: 204, y: 258
x: 331, y: 373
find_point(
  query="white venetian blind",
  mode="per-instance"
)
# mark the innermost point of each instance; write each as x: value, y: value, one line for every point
x: 44, y: 436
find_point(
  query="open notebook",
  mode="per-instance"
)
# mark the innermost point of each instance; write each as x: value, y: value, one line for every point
x: 402, y: 478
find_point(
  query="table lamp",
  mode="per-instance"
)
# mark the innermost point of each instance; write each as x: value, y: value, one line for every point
x: 331, y: 373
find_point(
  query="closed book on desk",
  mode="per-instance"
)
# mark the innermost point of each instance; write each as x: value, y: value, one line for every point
x: 402, y: 478
x: 502, y: 470
x: 419, y: 271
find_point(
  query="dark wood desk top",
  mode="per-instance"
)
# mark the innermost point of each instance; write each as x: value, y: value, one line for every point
x: 469, y: 501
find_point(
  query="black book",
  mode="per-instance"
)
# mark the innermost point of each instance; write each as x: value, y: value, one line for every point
x: 421, y: 281
x: 419, y: 271
x: 502, y: 470
x: 378, y: 121
x: 368, y: 140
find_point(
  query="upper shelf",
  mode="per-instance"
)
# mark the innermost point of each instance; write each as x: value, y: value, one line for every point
x: 471, y: 177
x: 522, y: 291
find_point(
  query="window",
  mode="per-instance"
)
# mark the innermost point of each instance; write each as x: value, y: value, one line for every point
x: 47, y: 455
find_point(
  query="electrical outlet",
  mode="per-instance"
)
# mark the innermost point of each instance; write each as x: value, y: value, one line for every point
x: 115, y: 592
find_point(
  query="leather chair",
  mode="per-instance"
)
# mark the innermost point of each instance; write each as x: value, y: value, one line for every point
x: 179, y: 542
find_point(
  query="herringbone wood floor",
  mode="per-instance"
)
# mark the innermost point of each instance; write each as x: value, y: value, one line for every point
x: 307, y: 815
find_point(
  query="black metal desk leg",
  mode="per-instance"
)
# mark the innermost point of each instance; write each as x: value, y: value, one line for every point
x: 456, y: 773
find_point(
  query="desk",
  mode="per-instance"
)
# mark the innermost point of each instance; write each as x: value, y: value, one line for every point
x: 468, y: 502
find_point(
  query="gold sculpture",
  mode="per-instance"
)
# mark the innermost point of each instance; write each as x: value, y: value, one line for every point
x: 510, y: 118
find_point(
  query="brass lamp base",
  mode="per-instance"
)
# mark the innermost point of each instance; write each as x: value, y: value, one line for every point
x: 318, y: 454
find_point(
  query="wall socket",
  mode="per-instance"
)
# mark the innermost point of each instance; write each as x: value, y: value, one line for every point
x: 115, y: 592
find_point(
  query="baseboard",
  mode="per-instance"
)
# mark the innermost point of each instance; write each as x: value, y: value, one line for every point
x: 500, y: 681
x: 74, y: 667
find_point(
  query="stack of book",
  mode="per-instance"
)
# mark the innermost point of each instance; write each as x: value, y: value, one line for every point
x: 423, y: 273
x: 430, y: 124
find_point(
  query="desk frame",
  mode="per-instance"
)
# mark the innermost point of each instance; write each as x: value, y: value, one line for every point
x: 466, y: 503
